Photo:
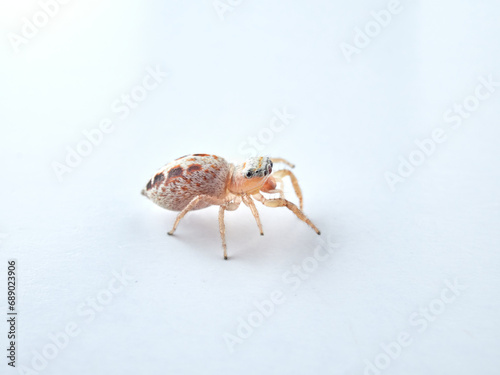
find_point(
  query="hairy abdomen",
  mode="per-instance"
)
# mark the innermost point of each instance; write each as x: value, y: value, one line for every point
x: 178, y: 182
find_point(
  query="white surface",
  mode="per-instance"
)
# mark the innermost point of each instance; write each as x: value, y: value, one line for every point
x: 352, y: 122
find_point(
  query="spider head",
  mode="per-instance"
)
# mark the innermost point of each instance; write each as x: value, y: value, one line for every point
x: 251, y: 175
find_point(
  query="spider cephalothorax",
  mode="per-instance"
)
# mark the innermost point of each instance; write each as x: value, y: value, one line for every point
x: 251, y: 175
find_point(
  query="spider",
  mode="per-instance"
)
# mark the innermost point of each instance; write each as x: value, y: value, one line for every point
x: 196, y: 181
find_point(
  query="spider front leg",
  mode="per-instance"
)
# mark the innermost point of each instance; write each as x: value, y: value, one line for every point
x: 271, y: 186
x: 285, y: 172
x: 192, y: 204
x: 281, y: 160
x: 280, y: 202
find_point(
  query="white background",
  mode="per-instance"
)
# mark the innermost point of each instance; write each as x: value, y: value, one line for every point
x: 352, y: 123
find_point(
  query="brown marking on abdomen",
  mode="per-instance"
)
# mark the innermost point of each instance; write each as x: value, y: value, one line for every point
x: 193, y: 168
x: 174, y: 172
x: 158, y: 179
x: 201, y: 155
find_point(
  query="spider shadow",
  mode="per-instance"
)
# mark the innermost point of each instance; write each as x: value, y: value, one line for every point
x: 284, y: 235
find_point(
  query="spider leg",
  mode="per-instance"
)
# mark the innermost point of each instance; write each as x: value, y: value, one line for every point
x: 279, y: 202
x: 222, y: 229
x: 278, y: 186
x: 192, y: 204
x: 249, y: 202
x: 285, y: 172
x: 281, y: 160
x: 228, y: 206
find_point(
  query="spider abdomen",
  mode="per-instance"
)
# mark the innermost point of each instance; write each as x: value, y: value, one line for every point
x: 177, y: 183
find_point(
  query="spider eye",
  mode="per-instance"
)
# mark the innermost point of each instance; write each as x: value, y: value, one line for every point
x: 248, y: 174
